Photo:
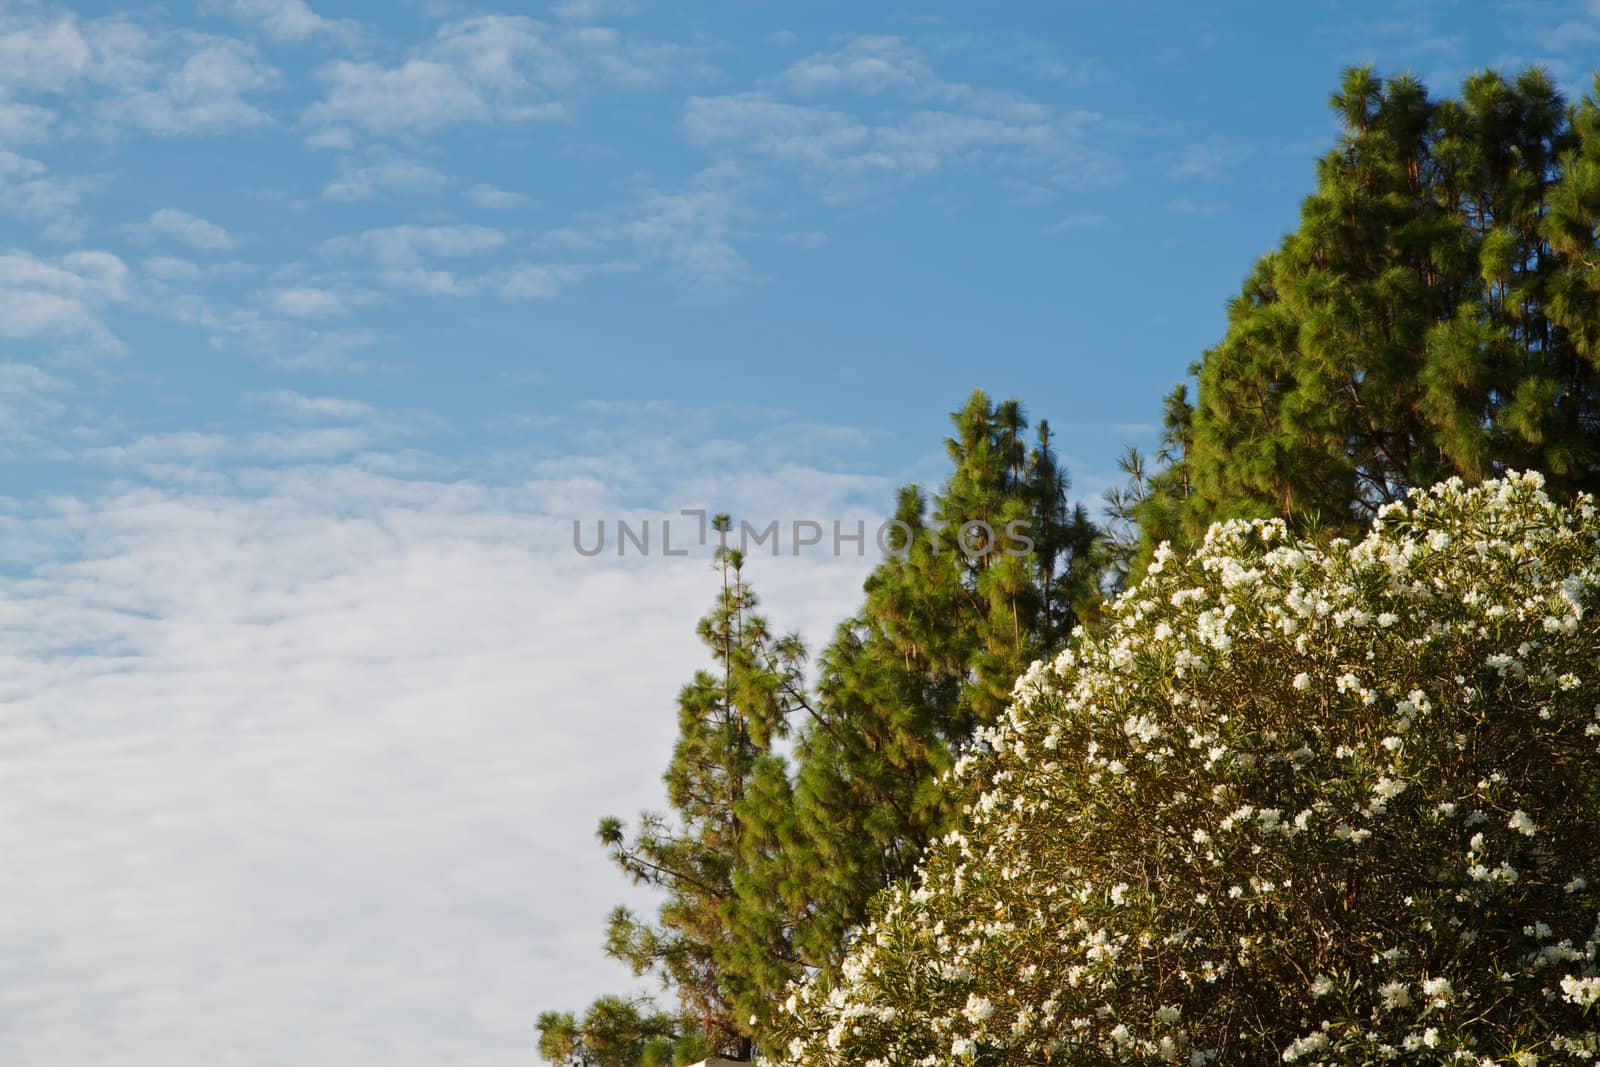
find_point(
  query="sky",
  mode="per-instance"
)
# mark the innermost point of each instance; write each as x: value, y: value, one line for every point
x: 321, y: 325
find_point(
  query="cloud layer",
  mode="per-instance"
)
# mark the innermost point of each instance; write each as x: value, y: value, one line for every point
x: 309, y: 755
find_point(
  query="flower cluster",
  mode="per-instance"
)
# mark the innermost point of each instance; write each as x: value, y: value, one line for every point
x: 1303, y: 803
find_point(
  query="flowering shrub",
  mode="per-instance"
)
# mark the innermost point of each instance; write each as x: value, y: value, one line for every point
x: 1297, y: 803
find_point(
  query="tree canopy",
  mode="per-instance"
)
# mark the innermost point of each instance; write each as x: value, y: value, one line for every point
x: 1290, y: 797
x: 1436, y: 313
x: 767, y: 864
x: 1300, y: 801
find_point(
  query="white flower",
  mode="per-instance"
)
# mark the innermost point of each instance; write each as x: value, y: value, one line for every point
x: 978, y: 1008
x: 1395, y: 996
x: 1388, y: 788
x: 1581, y: 991
x: 1305, y: 1046
x: 1060, y: 823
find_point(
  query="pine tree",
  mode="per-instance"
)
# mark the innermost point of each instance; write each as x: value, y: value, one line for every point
x: 1434, y: 314
x: 947, y: 625
x: 615, y: 1032
x: 768, y: 868
x: 1149, y: 508
x: 728, y: 719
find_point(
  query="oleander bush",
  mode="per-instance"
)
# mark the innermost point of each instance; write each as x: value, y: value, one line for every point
x: 1297, y: 802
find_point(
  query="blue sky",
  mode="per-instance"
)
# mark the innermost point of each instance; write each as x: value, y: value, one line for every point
x: 320, y: 324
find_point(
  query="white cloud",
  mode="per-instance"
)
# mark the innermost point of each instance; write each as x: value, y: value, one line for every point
x: 690, y: 232
x: 426, y: 281
x: 354, y: 720
x: 419, y: 94
x: 118, y: 72
x: 384, y: 172
x: 882, y: 66
x: 309, y: 302
x: 539, y: 282
x: 192, y: 230
x: 483, y: 69
x: 891, y: 118
x: 45, y: 53
x: 1564, y: 26
x: 316, y: 408
x: 407, y: 255
x: 30, y: 313
x: 848, y: 156
x: 283, y: 20
x: 803, y: 239
x: 29, y: 397
x: 20, y: 122
x: 170, y: 268
x: 205, y: 94
x: 594, y: 10
x: 103, y: 274
x: 336, y: 137
x: 865, y: 64
x: 788, y: 133
x: 1208, y: 160
x: 1081, y: 72
x: 488, y: 196
x: 28, y: 190
x: 193, y: 458
x: 409, y: 244
x: 291, y: 345
x: 62, y: 299
x: 1083, y: 220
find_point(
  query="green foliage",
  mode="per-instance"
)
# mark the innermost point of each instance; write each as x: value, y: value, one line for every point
x: 1150, y: 508
x: 704, y: 946
x: 613, y: 1033
x: 1300, y: 801
x: 1436, y: 313
x: 766, y: 868
x: 929, y: 659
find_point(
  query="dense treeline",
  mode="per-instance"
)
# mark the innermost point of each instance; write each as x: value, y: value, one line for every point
x: 1299, y: 800
x: 767, y: 865
x: 1436, y: 313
